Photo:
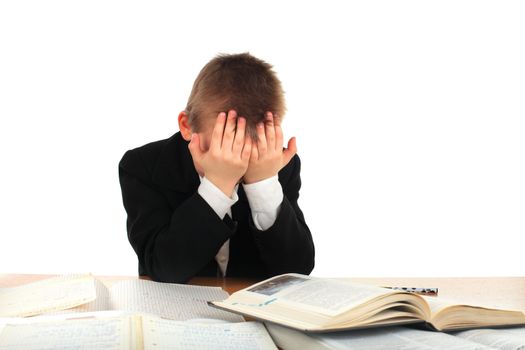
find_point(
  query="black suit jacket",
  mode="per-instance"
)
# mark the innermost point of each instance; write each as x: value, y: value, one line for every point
x: 176, y: 234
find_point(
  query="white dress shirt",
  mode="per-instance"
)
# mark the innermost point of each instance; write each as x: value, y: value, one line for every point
x: 264, y: 197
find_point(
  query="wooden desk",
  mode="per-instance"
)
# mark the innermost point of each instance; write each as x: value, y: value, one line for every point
x: 230, y: 285
x: 503, y: 292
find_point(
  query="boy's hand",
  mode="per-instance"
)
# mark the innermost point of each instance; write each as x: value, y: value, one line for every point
x: 268, y: 157
x: 227, y: 159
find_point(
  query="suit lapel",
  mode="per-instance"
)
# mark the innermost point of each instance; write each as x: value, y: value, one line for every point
x: 175, y: 170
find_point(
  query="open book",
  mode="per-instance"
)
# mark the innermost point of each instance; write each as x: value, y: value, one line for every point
x: 319, y: 305
x: 123, y: 332
x: 83, y: 293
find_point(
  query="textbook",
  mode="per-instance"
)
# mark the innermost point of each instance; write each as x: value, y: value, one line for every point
x: 321, y: 305
x: 83, y: 293
x: 399, y: 338
x: 132, y: 331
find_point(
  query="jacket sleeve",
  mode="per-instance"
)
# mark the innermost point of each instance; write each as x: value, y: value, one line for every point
x: 172, y: 245
x: 287, y: 246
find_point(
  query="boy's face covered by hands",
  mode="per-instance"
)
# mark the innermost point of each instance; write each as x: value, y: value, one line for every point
x: 225, y: 154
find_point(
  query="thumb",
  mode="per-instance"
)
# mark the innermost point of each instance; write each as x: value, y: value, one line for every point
x: 195, y: 147
x: 289, y: 152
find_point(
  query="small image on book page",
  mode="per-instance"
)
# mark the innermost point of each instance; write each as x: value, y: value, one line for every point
x: 276, y: 285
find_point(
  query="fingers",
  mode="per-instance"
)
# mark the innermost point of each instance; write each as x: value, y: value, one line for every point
x: 270, y: 131
x: 194, y: 147
x: 229, y: 131
x: 261, y: 142
x: 289, y: 152
x: 239, y: 141
x: 247, y: 150
x: 278, y: 137
x: 255, y: 152
x: 277, y: 120
x: 218, y: 131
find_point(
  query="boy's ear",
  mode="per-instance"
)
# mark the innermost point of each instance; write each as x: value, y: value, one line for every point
x: 184, y: 126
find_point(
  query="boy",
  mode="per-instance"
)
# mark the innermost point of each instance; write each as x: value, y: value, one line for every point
x: 220, y: 196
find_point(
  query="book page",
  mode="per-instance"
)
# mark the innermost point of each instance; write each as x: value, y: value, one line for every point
x: 449, y: 316
x: 397, y: 338
x: 437, y: 303
x: 91, y: 333
x: 391, y: 338
x: 504, y: 338
x: 101, y: 303
x: 168, y: 334
x: 326, y: 296
x: 169, y: 300
x: 53, y: 294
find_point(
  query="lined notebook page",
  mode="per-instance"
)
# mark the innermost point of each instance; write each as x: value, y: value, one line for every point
x: 82, y: 334
x: 167, y: 334
x: 101, y: 303
x: 395, y: 338
x: 169, y: 300
x: 48, y: 295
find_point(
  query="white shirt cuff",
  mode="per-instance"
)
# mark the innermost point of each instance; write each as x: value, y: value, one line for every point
x: 217, y: 200
x: 265, y: 198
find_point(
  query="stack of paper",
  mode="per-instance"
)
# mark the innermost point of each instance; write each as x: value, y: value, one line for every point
x: 151, y: 315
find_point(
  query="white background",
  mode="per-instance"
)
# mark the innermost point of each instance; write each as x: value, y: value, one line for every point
x: 409, y: 117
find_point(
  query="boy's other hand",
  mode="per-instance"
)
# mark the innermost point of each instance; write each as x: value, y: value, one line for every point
x: 267, y: 156
x: 227, y: 159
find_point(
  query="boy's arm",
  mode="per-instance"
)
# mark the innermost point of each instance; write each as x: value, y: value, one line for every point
x: 172, y: 245
x: 265, y: 198
x: 287, y: 245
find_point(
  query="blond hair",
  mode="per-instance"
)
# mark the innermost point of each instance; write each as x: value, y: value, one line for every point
x: 240, y: 82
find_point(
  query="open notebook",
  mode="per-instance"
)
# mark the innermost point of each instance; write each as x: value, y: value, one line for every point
x: 131, y: 331
x: 82, y: 293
